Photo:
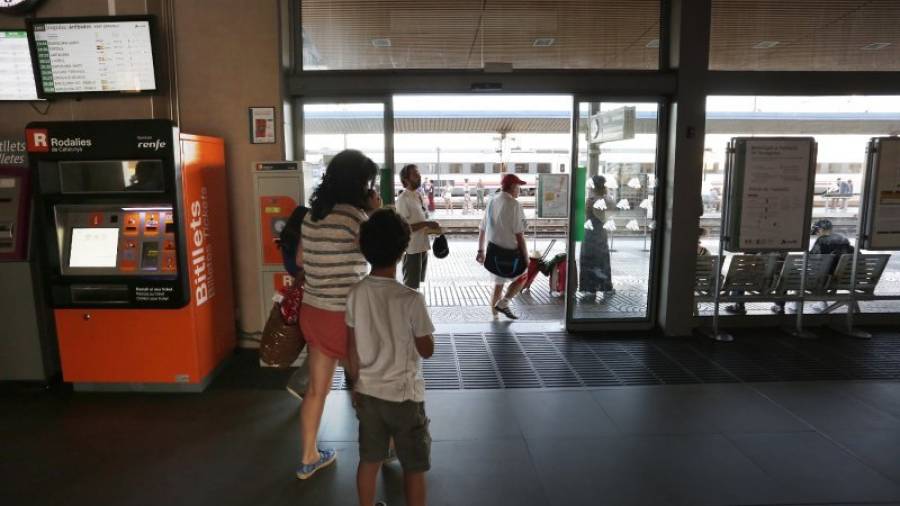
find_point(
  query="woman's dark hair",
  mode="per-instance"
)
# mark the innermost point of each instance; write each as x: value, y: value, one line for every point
x: 404, y: 173
x: 599, y: 182
x: 383, y: 238
x: 346, y: 181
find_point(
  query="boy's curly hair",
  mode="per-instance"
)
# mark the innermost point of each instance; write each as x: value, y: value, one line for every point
x: 384, y: 238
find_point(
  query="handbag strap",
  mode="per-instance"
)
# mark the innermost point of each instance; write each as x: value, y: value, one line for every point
x: 490, y: 216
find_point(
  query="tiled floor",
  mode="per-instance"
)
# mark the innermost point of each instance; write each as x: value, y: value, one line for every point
x: 739, y: 442
x: 773, y: 443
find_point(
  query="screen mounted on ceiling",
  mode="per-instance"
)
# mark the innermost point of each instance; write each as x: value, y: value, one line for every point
x: 79, y: 56
x: 16, y: 72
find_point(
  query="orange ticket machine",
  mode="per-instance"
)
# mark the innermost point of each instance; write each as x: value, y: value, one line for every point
x: 138, y: 266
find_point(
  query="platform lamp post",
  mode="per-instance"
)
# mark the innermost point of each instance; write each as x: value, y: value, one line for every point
x: 437, y: 167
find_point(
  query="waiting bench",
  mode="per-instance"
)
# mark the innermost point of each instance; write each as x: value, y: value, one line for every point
x: 770, y: 277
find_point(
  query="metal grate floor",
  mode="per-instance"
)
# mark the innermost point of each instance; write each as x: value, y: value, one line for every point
x: 553, y: 360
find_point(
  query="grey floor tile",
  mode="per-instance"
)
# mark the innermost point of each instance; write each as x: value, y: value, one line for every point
x: 884, y: 396
x: 677, y: 469
x: 560, y: 414
x: 694, y: 409
x: 484, y: 414
x: 593, y: 471
x: 824, y: 406
x: 813, y: 469
x: 485, y: 473
x: 879, y: 449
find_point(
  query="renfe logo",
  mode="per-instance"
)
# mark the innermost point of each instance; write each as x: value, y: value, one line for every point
x: 36, y: 140
x: 198, y: 255
x: 156, y: 145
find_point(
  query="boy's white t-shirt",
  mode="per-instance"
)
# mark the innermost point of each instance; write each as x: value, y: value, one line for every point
x: 386, y: 317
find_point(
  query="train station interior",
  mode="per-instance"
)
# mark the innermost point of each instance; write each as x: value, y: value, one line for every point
x: 710, y: 200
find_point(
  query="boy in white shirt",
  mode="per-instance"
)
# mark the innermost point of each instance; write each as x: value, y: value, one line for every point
x: 389, y: 331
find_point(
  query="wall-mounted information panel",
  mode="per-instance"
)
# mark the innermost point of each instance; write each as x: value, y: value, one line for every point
x: 770, y: 182
x: 881, y: 205
x: 16, y: 72
x: 93, y: 55
x: 553, y: 196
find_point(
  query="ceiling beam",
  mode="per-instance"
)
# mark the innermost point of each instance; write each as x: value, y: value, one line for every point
x: 802, y: 83
x: 606, y: 83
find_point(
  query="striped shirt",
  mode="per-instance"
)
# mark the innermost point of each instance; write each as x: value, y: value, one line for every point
x: 332, y: 261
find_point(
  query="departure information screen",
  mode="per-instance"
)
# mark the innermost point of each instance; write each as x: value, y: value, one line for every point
x: 94, y: 247
x: 16, y: 72
x: 86, y: 57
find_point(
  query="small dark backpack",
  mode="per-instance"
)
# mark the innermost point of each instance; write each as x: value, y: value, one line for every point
x: 289, y: 238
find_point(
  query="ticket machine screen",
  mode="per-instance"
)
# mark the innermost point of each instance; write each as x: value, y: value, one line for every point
x: 94, y: 247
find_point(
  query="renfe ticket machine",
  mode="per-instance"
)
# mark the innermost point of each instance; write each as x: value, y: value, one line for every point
x: 138, y: 262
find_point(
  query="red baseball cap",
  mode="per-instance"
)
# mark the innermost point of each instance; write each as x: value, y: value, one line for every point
x: 509, y: 180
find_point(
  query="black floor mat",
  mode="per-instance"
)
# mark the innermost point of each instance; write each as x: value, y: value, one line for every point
x: 549, y: 360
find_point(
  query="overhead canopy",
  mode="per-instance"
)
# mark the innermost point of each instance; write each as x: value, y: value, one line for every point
x: 555, y: 122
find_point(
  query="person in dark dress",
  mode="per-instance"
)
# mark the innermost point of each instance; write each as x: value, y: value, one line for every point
x: 595, y: 273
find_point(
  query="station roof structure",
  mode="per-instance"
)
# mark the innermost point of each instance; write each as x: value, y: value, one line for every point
x: 547, y: 122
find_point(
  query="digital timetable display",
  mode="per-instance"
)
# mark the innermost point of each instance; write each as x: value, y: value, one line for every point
x: 16, y: 72
x: 105, y: 55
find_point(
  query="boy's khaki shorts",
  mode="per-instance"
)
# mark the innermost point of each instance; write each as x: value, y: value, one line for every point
x: 405, y: 422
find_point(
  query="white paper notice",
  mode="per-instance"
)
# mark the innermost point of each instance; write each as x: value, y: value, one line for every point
x: 94, y: 247
x: 554, y: 195
x: 776, y: 186
x: 89, y: 57
x: 885, y: 226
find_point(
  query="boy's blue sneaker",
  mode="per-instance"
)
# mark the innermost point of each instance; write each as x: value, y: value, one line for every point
x: 326, y: 457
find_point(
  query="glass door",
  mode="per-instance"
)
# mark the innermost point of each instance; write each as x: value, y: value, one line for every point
x: 613, y: 215
x: 331, y: 126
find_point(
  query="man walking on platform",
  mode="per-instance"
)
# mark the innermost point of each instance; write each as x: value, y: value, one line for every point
x: 503, y: 230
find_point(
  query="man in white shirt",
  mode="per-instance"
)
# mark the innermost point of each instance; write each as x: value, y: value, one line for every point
x: 467, y: 197
x: 504, y: 225
x: 411, y: 207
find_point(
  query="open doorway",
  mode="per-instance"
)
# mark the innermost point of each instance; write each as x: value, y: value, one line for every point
x: 463, y: 145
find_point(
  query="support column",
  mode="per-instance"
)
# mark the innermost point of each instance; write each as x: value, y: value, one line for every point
x: 689, y: 25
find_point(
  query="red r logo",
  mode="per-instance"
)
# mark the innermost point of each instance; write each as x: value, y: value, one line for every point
x: 37, y: 140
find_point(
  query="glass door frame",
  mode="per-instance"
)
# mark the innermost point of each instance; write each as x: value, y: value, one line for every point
x: 387, y: 102
x: 650, y: 319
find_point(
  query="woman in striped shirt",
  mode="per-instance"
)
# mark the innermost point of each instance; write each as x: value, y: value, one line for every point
x: 333, y: 264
